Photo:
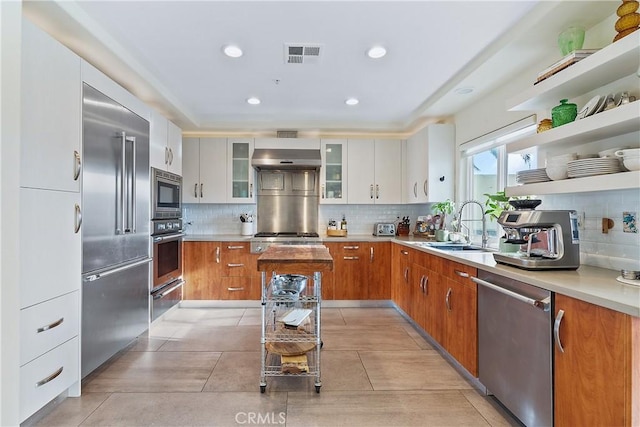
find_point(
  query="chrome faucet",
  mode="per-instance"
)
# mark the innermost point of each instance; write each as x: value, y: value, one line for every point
x: 485, y: 236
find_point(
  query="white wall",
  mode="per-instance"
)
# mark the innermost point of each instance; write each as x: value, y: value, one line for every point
x: 613, y: 250
x: 10, y: 23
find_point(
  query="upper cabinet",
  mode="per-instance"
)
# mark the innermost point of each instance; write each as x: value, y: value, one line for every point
x: 174, y: 148
x: 615, y: 64
x: 165, y: 144
x: 429, y: 160
x: 381, y: 184
x: 333, y: 174
x: 204, y: 177
x: 51, y: 113
x: 240, y: 174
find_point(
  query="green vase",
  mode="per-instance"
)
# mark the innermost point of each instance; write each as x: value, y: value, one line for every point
x: 563, y: 113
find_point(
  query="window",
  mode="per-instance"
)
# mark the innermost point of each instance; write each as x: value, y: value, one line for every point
x: 487, y: 168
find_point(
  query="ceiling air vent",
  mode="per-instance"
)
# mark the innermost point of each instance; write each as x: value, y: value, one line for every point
x: 300, y: 53
x: 287, y: 134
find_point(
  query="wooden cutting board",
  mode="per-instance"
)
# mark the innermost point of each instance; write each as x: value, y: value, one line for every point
x: 290, y: 348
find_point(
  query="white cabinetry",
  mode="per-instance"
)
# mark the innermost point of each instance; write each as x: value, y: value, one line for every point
x: 50, y: 219
x: 374, y: 171
x: 240, y: 175
x: 429, y: 174
x: 165, y: 144
x: 618, y: 61
x: 333, y: 174
x: 204, y: 177
x: 51, y: 108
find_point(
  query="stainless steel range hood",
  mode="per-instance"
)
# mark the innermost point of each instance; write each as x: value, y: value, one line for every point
x: 282, y: 158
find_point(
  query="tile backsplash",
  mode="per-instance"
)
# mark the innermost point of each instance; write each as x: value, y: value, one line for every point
x: 616, y: 249
x: 225, y: 218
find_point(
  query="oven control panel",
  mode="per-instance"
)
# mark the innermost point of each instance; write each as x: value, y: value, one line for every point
x: 166, y: 226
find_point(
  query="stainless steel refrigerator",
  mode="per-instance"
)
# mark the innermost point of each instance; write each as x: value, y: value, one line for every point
x: 115, y: 224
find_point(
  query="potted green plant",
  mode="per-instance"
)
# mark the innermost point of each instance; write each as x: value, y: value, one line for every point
x: 496, y: 204
x: 443, y: 209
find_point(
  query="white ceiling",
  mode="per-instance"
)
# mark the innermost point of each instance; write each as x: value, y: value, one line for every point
x: 169, y: 53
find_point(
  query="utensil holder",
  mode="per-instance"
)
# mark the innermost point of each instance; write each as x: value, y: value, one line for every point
x: 246, y: 229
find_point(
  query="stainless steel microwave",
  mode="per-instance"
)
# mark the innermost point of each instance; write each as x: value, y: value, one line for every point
x: 166, y: 194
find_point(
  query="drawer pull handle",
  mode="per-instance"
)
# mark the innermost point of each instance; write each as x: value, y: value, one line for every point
x: 235, y: 247
x: 50, y: 377
x: 218, y: 255
x: 235, y: 265
x: 404, y: 252
x: 351, y: 248
x: 351, y: 258
x: 235, y: 289
x: 51, y: 325
x: 461, y: 273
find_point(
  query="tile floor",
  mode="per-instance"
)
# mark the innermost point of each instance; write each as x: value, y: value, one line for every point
x: 200, y: 367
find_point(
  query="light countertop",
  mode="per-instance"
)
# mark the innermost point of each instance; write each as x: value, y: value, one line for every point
x: 591, y: 284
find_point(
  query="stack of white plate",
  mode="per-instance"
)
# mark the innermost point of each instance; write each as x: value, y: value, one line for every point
x: 532, y: 175
x: 595, y: 166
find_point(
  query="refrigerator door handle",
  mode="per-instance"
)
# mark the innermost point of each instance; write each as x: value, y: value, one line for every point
x: 127, y: 197
x: 132, y: 192
x: 120, y: 198
x: 97, y: 276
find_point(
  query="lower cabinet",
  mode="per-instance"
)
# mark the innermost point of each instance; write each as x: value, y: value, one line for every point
x: 220, y: 271
x: 440, y: 297
x: 400, y: 276
x: 597, y: 367
x: 350, y: 270
x: 361, y: 270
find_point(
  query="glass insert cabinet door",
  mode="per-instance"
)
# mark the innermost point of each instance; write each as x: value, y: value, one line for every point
x: 333, y: 184
x: 241, y: 173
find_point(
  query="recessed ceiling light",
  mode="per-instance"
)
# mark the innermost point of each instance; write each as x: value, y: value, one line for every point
x: 376, y: 52
x: 253, y: 100
x: 352, y: 101
x: 232, y: 51
x: 463, y: 90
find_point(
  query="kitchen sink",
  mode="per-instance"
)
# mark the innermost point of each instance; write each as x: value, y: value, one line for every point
x: 449, y: 246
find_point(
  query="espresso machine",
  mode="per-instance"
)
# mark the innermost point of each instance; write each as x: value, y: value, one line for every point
x: 548, y: 239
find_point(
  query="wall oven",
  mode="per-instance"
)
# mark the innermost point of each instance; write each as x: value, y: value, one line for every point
x: 166, y: 288
x: 166, y: 194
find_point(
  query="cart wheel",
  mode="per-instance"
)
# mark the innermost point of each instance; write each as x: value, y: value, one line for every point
x: 263, y: 388
x: 318, y: 389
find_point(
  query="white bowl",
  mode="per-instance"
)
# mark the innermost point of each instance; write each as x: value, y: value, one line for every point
x: 629, y: 152
x: 632, y: 163
x: 562, y: 158
x: 556, y: 173
x: 611, y: 152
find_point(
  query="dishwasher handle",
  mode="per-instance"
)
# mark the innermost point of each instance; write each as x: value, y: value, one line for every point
x: 543, y: 304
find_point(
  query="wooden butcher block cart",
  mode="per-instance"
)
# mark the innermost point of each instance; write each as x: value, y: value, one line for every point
x: 291, y: 299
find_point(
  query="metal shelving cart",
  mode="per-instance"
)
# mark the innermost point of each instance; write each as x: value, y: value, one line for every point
x: 291, y: 299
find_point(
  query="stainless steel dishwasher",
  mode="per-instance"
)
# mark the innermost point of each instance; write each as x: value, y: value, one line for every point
x: 515, y: 347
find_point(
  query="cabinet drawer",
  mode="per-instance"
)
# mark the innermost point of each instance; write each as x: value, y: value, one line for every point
x: 47, y: 376
x: 47, y: 325
x: 236, y: 288
x: 461, y: 273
